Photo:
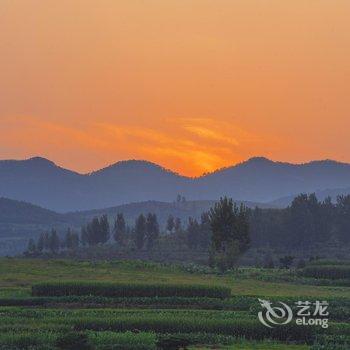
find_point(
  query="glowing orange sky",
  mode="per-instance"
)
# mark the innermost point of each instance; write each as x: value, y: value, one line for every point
x: 190, y: 84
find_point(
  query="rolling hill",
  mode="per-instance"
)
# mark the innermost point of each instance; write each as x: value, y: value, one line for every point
x: 321, y: 195
x: 18, y: 212
x: 20, y: 221
x: 40, y: 181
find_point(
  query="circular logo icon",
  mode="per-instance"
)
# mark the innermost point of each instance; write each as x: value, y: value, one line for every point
x: 274, y: 315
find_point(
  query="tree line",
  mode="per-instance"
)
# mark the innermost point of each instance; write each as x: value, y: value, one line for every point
x: 223, y: 231
x: 302, y: 225
x: 144, y: 234
x: 306, y: 223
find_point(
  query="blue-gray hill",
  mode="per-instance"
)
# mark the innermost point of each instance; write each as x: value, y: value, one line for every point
x: 40, y: 181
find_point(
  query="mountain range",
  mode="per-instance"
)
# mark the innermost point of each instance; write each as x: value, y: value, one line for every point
x: 41, y: 182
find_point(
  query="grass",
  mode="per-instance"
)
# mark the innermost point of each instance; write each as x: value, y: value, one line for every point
x: 17, y: 276
x: 90, y: 314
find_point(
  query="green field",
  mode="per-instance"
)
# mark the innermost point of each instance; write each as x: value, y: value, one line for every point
x: 106, y: 321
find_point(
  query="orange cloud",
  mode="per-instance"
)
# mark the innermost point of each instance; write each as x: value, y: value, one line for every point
x: 190, y: 147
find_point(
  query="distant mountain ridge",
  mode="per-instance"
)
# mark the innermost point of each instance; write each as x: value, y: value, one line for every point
x: 40, y: 181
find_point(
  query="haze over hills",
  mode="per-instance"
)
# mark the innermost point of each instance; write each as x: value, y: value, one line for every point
x: 20, y: 221
x: 321, y: 195
x: 17, y: 212
x: 13, y: 212
x: 42, y: 182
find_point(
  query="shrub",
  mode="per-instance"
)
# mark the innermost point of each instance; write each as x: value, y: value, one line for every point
x: 73, y: 341
x: 250, y: 329
x: 123, y: 341
x: 233, y: 303
x: 327, y: 342
x: 26, y: 340
x: 128, y: 290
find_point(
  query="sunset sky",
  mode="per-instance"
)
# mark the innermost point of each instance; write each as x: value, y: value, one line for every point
x: 192, y: 85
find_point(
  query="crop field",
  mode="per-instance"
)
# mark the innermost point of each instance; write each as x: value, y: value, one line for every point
x: 66, y: 304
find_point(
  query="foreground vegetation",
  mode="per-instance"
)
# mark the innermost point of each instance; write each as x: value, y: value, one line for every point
x: 89, y: 314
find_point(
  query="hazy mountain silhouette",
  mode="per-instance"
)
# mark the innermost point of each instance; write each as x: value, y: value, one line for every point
x: 321, y: 195
x: 22, y: 220
x: 17, y: 212
x: 182, y: 210
x: 40, y: 181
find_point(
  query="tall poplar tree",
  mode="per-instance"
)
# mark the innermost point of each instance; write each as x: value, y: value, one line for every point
x: 230, y: 233
x: 140, y: 231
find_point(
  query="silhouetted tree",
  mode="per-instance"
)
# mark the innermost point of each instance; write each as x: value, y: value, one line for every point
x: 54, y: 242
x: 71, y: 240
x: 286, y: 261
x: 96, y: 231
x: 84, y: 236
x: 342, y: 219
x: 170, y: 224
x: 119, y: 230
x: 193, y: 233
x: 230, y: 232
x: 31, y: 247
x: 66, y: 241
x: 140, y: 231
x: 303, y: 220
x: 177, y: 225
x: 104, y: 229
x: 93, y: 231
x: 152, y: 230
x: 46, y: 240
x: 40, y: 243
x: 242, y: 226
